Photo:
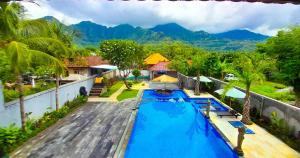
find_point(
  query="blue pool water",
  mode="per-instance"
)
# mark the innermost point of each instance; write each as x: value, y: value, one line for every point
x: 170, y: 127
x: 216, y: 106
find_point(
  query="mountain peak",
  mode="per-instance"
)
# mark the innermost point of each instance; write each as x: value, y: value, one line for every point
x: 169, y: 26
x: 241, y: 34
x: 50, y: 18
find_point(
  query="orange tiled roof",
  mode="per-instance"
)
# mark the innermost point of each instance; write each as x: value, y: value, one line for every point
x: 154, y: 59
x: 85, y: 61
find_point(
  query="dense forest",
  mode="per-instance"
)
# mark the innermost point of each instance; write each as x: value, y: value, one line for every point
x: 91, y: 33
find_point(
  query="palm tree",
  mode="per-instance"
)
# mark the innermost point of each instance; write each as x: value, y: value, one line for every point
x: 225, y: 68
x: 21, y: 58
x: 250, y: 68
x: 62, y: 43
x: 196, y: 65
x: 15, y: 34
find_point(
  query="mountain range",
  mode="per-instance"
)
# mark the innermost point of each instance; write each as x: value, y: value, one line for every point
x: 92, y: 34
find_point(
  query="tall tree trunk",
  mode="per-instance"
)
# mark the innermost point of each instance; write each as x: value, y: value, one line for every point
x: 56, y: 93
x: 297, y: 94
x: 246, y: 109
x: 126, y: 83
x: 21, y: 98
x: 297, y: 91
x: 197, y: 86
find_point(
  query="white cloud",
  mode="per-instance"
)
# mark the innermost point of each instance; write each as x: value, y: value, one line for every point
x: 209, y: 16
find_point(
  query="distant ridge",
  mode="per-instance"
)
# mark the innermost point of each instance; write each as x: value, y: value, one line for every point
x: 241, y: 35
x: 92, y: 33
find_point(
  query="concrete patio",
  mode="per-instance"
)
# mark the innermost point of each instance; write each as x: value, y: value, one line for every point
x: 259, y: 145
x: 92, y: 131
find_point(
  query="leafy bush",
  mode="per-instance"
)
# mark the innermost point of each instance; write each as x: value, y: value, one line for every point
x: 9, y: 137
x: 136, y: 73
x: 280, y: 129
x: 12, y: 136
x: 10, y: 94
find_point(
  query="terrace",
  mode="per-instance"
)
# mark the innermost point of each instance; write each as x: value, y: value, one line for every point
x: 102, y: 95
x: 103, y: 129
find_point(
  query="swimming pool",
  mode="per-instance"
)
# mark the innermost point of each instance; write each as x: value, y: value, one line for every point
x: 168, y: 126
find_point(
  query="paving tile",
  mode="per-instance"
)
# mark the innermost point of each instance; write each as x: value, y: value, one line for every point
x: 93, y: 131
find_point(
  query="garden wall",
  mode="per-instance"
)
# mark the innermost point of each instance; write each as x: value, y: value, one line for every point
x: 185, y: 81
x: 40, y: 102
x: 160, y: 85
x: 263, y: 104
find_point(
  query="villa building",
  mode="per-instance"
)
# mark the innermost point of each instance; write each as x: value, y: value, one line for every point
x: 154, y: 59
x: 83, y: 67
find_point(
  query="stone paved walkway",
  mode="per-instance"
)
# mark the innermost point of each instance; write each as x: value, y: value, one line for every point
x: 259, y: 145
x: 93, y: 131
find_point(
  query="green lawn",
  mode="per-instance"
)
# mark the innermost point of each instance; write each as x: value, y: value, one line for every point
x: 127, y: 94
x: 112, y: 89
x: 268, y: 88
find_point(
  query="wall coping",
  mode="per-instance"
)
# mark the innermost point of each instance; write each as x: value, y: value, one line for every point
x: 263, y: 96
x: 45, y: 91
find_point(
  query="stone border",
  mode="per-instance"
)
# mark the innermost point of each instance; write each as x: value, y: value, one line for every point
x: 226, y: 140
x: 121, y: 148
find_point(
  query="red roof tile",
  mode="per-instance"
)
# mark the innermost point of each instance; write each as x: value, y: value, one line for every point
x: 161, y: 66
x: 86, y: 61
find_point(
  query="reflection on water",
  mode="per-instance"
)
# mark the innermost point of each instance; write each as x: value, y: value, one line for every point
x: 173, y: 109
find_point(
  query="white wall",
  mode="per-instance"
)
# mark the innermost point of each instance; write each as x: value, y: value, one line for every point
x: 41, y: 102
x: 1, y: 98
x: 143, y: 73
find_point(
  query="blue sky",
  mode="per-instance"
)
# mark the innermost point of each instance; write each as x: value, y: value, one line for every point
x: 209, y: 16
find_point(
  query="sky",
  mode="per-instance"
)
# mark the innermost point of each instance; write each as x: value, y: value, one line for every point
x: 211, y: 16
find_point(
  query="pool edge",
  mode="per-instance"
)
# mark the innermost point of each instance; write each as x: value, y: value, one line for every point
x: 122, y: 146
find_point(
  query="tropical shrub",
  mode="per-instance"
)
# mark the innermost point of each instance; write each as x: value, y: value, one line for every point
x: 136, y: 73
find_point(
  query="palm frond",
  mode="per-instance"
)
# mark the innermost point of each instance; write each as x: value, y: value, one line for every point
x: 34, y: 28
x: 18, y: 56
x: 47, y: 59
x: 50, y: 46
x: 9, y: 19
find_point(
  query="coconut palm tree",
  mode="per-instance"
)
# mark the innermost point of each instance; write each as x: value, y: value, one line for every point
x: 57, y: 43
x: 225, y: 67
x: 61, y: 49
x: 250, y: 68
x: 196, y: 65
x: 15, y: 37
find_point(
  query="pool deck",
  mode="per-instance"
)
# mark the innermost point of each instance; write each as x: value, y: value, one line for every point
x: 92, y: 131
x: 259, y: 145
x: 97, y: 130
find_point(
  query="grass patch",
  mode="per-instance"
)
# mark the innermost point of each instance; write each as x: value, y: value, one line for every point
x: 126, y: 94
x: 112, y: 89
x: 268, y: 88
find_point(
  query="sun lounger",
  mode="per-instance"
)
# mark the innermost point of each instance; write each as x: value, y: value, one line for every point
x: 228, y: 113
x: 201, y: 102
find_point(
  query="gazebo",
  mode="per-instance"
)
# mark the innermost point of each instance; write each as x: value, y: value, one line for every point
x: 155, y: 59
x: 161, y: 68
